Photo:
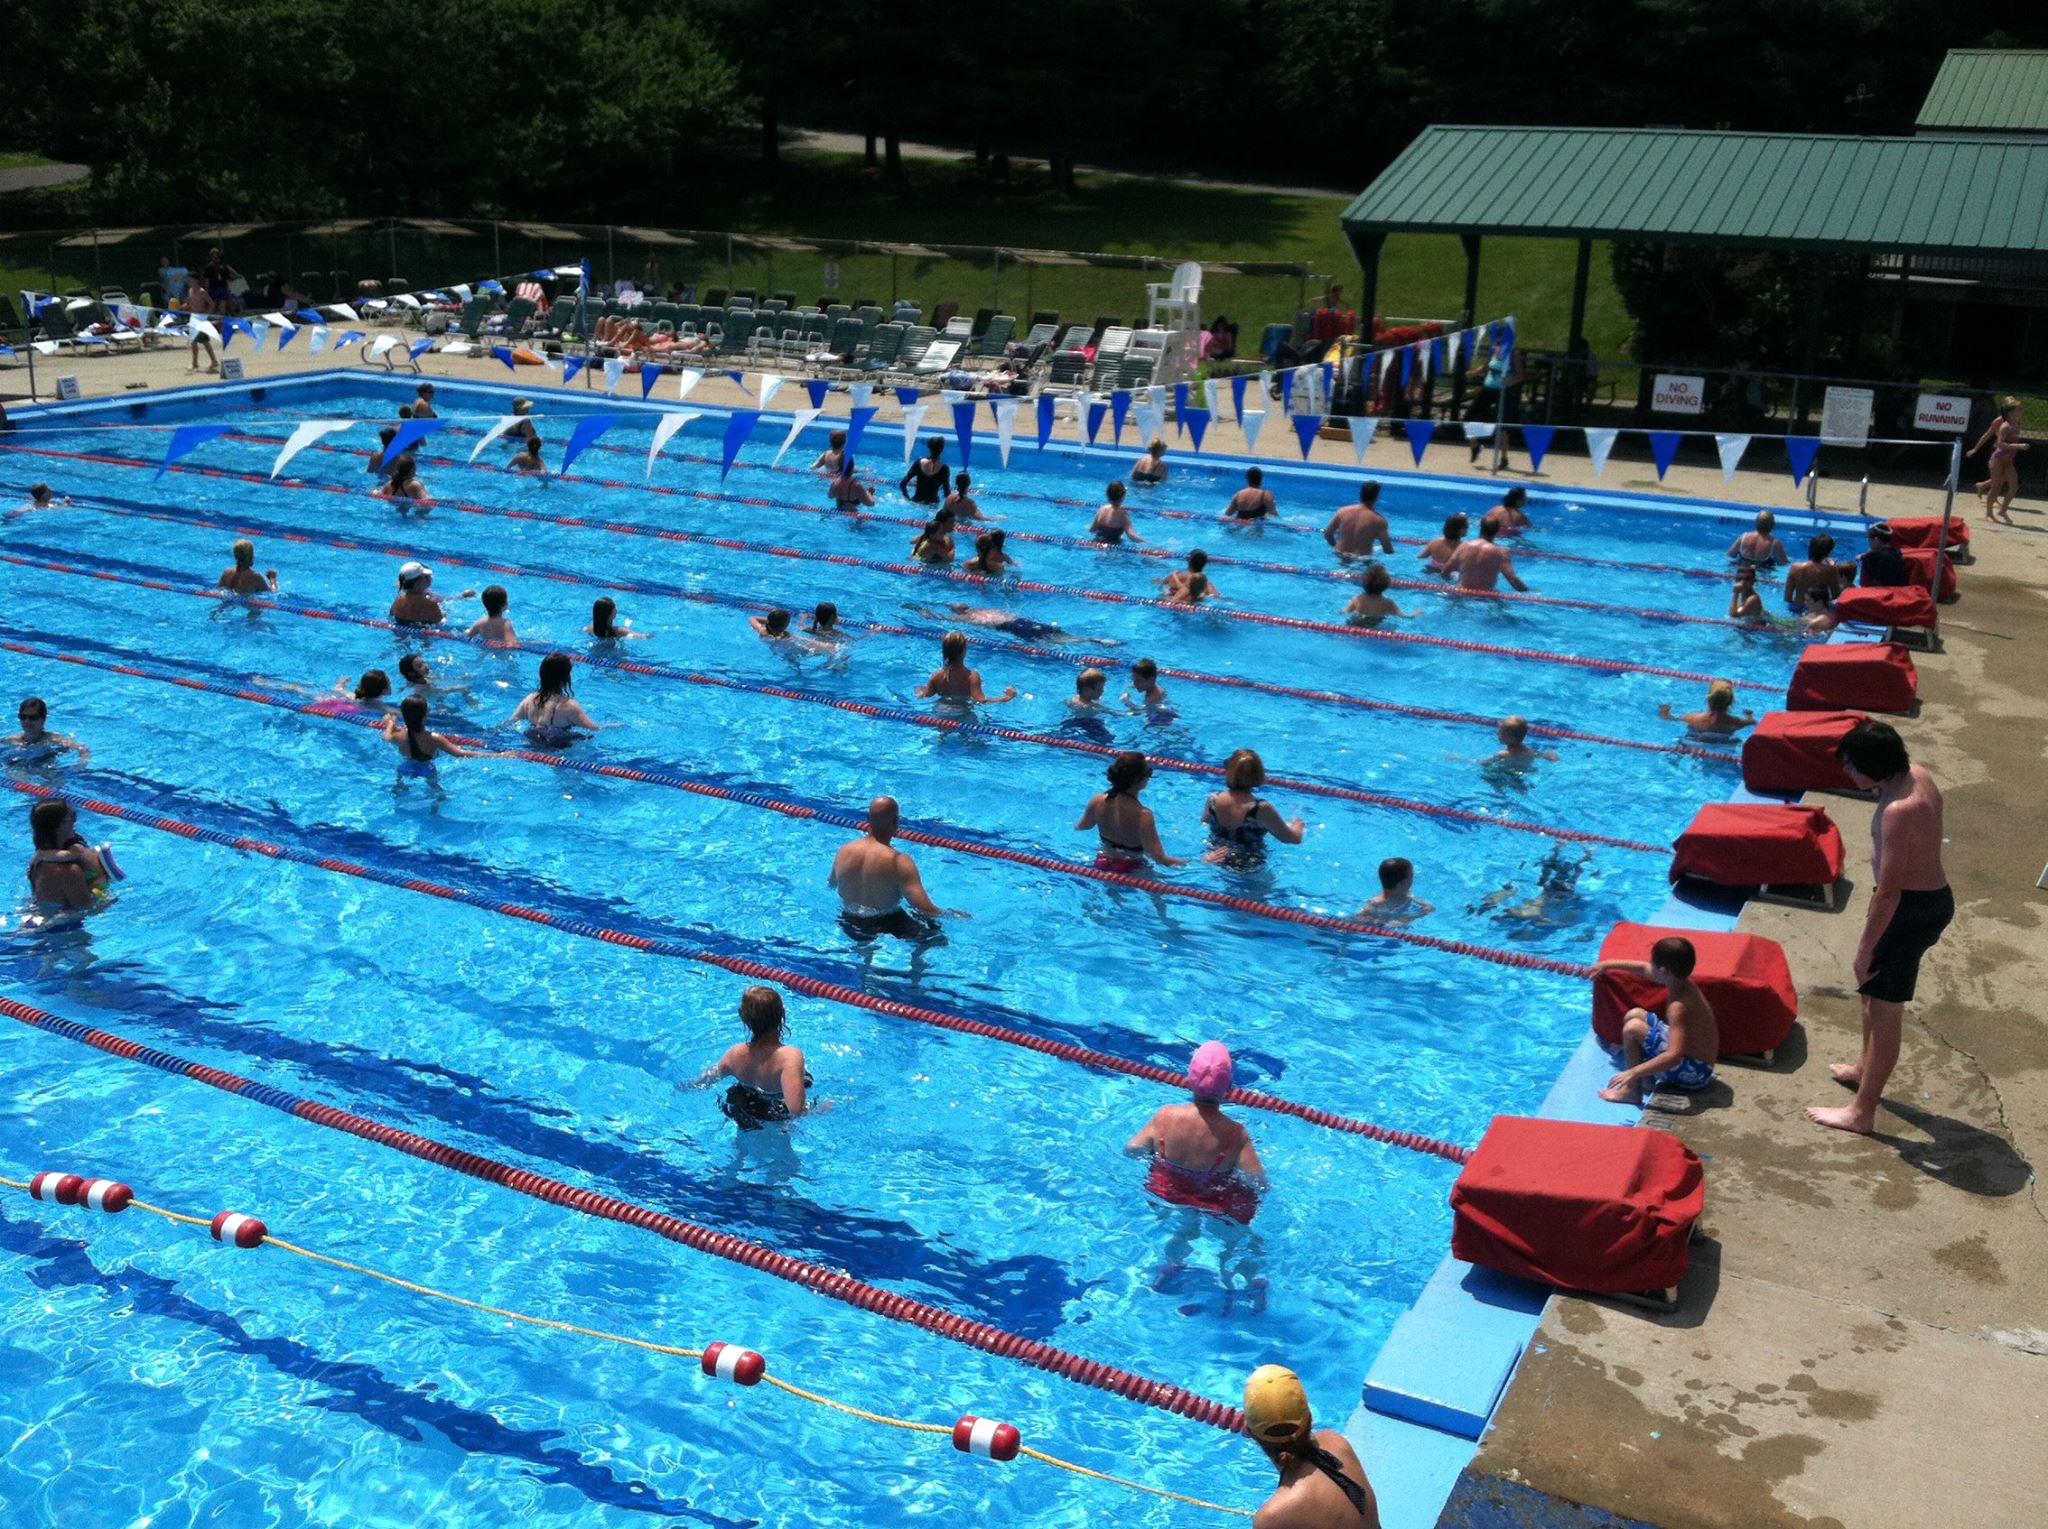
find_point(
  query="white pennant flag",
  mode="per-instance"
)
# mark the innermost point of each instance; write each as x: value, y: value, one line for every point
x: 665, y: 429
x: 1005, y: 411
x: 1363, y: 428
x: 798, y: 423
x: 382, y: 344
x: 861, y: 393
x: 614, y: 369
x: 686, y: 381
x: 275, y: 318
x: 462, y: 292
x: 305, y: 435
x: 769, y: 384
x: 1479, y: 429
x: 953, y: 395
x: 259, y: 331
x: 1598, y: 444
x: 344, y: 311
x: 1212, y: 395
x: 407, y: 299
x: 505, y: 422
x: 913, y: 416
x: 317, y: 340
x: 47, y: 347
x: 1265, y: 387
x: 1151, y: 419
x: 1156, y: 395
x: 1386, y: 360
x: 1422, y: 354
x: 1731, y: 448
x: 1249, y: 424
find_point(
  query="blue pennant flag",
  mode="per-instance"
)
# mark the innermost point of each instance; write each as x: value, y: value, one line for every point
x: 1180, y: 406
x: 740, y: 378
x: 188, y: 438
x: 571, y: 365
x: 1419, y: 432
x: 232, y: 327
x: 1305, y: 428
x: 587, y: 430
x: 1664, y: 446
x: 1329, y: 377
x: 309, y: 316
x: 1237, y: 394
x: 1197, y: 423
x: 1407, y: 365
x: 1119, y: 411
x: 410, y: 433
x: 286, y: 335
x: 1436, y: 356
x: 1287, y: 389
x: 1802, y: 449
x: 963, y: 430
x: 906, y: 396
x: 504, y: 354
x: 348, y: 338
x: 421, y: 347
x: 6, y: 349
x: 1507, y: 333
x: 1095, y: 413
x: 737, y: 429
x: 1536, y: 441
x: 1046, y: 404
x: 857, y: 426
x: 650, y: 377
x: 817, y: 387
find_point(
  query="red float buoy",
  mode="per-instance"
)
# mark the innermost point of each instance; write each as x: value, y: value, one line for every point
x: 62, y: 1188
x: 728, y: 1361
x: 106, y: 1195
x: 243, y: 1231
x: 987, y: 1437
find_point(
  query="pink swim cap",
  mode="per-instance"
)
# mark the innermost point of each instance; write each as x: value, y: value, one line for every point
x: 1210, y: 1073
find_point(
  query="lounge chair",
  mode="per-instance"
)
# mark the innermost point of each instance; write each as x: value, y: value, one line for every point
x: 995, y: 335
x: 941, y: 356
x: 917, y: 339
x: 881, y: 351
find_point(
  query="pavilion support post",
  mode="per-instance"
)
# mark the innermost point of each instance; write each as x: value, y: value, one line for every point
x: 1366, y: 249
x: 1575, y: 342
x: 1809, y: 351
x: 1467, y: 316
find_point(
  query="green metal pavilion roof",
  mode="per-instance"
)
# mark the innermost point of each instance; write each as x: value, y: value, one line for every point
x: 1936, y: 195
x: 1988, y: 90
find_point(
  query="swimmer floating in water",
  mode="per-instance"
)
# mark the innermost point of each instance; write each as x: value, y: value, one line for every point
x: 1239, y: 820
x: 1204, y: 1164
x: 1372, y: 607
x: 1146, y: 694
x: 1515, y: 756
x: 769, y: 1080
x: 1556, y: 900
x: 492, y: 626
x: 606, y: 625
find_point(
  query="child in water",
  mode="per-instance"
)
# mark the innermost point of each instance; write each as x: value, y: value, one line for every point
x: 1373, y: 606
x: 492, y: 626
x: 1515, y: 756
x: 1397, y: 902
x: 1146, y: 693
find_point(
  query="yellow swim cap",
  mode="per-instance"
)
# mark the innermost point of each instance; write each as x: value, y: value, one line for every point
x: 1275, y: 1406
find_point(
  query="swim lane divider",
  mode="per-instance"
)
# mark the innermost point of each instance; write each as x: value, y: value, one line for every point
x: 799, y: 982
x: 829, y: 1283
x: 1075, y: 591
x: 48, y: 563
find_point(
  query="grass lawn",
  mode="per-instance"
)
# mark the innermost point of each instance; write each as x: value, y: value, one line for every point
x: 15, y: 159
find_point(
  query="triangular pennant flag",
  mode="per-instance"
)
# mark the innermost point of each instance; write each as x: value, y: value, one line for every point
x: 963, y: 430
x: 771, y: 384
x: 1386, y: 360
x: 1422, y: 357
x: 571, y: 365
x: 817, y: 387
x: 739, y: 379
x: 1329, y: 379
x: 232, y: 328
x: 504, y: 353
x: 186, y: 439
x: 1096, y: 410
x: 906, y: 396
x: 737, y: 429
x: 798, y: 423
x: 614, y: 369
x: 1119, y: 411
x: 1196, y: 423
x: 1212, y: 397
x: 1363, y: 429
x: 862, y: 393
x: 664, y: 431
x: 1800, y: 450
x: 1436, y: 355
x: 419, y: 348
x: 317, y: 341
x: 1047, y: 404
x: 1305, y: 428
x: 410, y: 433
x: 686, y: 380
x: 285, y: 334
x: 1419, y: 432
x: 1251, y: 424
x: 1237, y: 387
x: 348, y: 336
x: 1536, y: 441
x: 259, y: 331
x: 1731, y: 448
x: 857, y: 425
x: 1598, y: 444
x: 44, y: 347
x: 1407, y: 365
x: 1180, y: 406
x: 952, y: 395
x: 344, y: 311
x: 1287, y: 390
x: 1150, y: 418
x: 913, y: 417
x: 305, y: 435
x: 1005, y: 411
x: 1663, y: 449
x: 1479, y: 429
x: 587, y: 430
x: 463, y: 292
x: 498, y: 428
x: 650, y: 377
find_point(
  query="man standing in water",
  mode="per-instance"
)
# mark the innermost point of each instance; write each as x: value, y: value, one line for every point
x: 1322, y: 1484
x: 1354, y: 530
x: 874, y: 880
x: 1482, y: 564
x: 1910, y: 906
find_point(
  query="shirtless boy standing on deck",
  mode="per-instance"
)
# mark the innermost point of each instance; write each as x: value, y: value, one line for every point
x: 1910, y: 906
x: 1677, y: 1049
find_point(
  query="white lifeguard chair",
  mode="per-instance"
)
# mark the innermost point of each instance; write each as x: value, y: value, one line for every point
x: 1175, y: 308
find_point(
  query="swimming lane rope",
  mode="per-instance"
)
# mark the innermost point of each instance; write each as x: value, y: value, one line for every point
x: 799, y: 982
x: 829, y: 1283
x: 1075, y: 591
x: 49, y: 564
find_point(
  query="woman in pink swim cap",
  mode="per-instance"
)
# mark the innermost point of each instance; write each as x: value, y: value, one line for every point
x: 1203, y: 1163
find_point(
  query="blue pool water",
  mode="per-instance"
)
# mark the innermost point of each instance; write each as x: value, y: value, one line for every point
x: 152, y: 1376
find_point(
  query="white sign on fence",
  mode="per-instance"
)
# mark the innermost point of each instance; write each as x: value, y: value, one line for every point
x: 67, y: 389
x: 1941, y: 411
x: 231, y: 369
x: 1845, y: 416
x: 1677, y: 394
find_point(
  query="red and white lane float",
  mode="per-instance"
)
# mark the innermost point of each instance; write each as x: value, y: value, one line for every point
x: 987, y: 1437
x: 728, y: 1361
x: 238, y: 1230
x: 56, y: 1188
x: 106, y: 1195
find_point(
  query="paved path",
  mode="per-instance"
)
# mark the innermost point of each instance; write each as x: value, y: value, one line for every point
x: 30, y: 176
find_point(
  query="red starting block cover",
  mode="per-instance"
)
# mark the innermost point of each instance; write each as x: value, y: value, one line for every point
x: 1870, y: 676
x: 1920, y: 563
x: 1794, y: 751
x: 1751, y: 844
x: 1925, y: 531
x: 1745, y: 978
x: 1583, y: 1207
x: 1905, y: 605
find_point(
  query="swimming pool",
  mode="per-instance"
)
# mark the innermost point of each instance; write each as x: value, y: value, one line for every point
x: 169, y: 1379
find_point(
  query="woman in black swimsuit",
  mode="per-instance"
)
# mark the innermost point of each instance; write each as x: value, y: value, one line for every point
x: 769, y: 1080
x: 925, y: 483
x: 1112, y: 523
x: 1239, y: 821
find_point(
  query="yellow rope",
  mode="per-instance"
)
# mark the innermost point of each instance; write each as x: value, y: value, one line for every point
x: 552, y: 1325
